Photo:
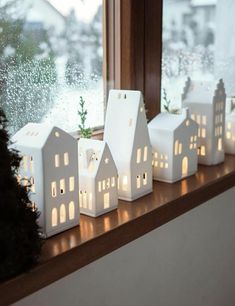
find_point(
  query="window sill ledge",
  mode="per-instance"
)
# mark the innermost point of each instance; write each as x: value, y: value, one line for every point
x: 75, y: 248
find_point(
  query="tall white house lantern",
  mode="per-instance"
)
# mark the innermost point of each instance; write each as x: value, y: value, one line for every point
x: 174, y: 142
x: 97, y: 178
x: 50, y: 163
x: 126, y: 133
x: 206, y: 103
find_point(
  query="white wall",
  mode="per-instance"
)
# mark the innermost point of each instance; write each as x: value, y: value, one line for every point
x: 189, y: 261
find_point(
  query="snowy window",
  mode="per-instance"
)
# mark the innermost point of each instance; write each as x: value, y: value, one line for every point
x: 50, y: 54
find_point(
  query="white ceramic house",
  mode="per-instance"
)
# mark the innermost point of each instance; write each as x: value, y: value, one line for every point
x: 97, y: 178
x: 126, y: 133
x: 206, y: 103
x: 50, y: 163
x: 174, y: 141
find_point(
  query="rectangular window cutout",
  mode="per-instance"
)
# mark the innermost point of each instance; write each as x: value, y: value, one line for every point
x: 62, y: 186
x: 124, y: 183
x: 176, y: 147
x: 103, y: 184
x: 108, y: 183
x: 203, y: 151
x: 204, y: 121
x: 138, y: 183
x: 229, y: 125
x: 138, y: 157
x: 220, y: 146
x: 53, y: 189
x: 32, y: 183
x: 99, y: 186
x: 66, y: 159
x: 71, y: 183
x: 113, y: 181
x: 106, y: 200
x: 54, y: 217
x: 145, y: 178
x: 203, y: 133
x: 180, y: 148
x: 57, y: 160
x: 145, y: 153
x: 228, y: 135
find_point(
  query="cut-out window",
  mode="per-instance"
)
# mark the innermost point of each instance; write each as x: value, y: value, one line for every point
x: 141, y: 109
x: 199, y: 132
x: 204, y: 121
x: 130, y: 122
x: 166, y: 165
x: 124, y: 183
x: 145, y: 153
x: 34, y: 206
x: 106, y: 160
x: 166, y: 157
x: 156, y: 164
x: 203, y: 133
x: 176, y: 147
x: 66, y: 159
x: 138, y: 157
x: 103, y: 184
x: 62, y: 213
x: 229, y: 125
x: 187, y: 122
x: 32, y: 183
x: 220, y: 147
x: 90, y: 201
x: 71, y: 183
x: 228, y: 135
x: 145, y: 178
x: 156, y: 155
x: 180, y: 148
x: 161, y: 164
x: 138, y: 183
x: 199, y: 119
x: 203, y: 151
x: 57, y: 134
x: 54, y: 217
x: 193, y: 117
x: 53, y: 189
x: 108, y: 183
x: 57, y: 160
x: 106, y: 200
x: 99, y: 186
x: 113, y: 181
x: 195, y: 138
x: 62, y: 186
x: 71, y: 210
x: 191, y: 138
x: 185, y: 166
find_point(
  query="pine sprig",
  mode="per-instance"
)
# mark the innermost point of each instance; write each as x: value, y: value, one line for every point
x: 82, y: 112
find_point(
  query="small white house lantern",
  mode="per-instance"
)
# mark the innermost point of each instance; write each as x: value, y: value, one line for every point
x: 206, y: 103
x: 126, y: 133
x: 50, y: 163
x: 230, y: 133
x: 97, y: 178
x: 174, y: 141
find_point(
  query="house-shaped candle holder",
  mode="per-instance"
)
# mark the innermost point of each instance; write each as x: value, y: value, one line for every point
x: 50, y: 164
x: 126, y: 133
x: 206, y: 103
x: 174, y: 141
x: 97, y: 178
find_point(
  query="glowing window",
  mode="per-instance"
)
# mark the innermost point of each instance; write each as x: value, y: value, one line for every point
x: 166, y: 165
x: 106, y: 200
x: 57, y: 134
x: 130, y: 122
x: 145, y: 153
x: 180, y: 148
x: 195, y: 138
x: 204, y: 120
x: 166, y: 157
x: 191, y: 146
x: 161, y: 164
x: 138, y: 157
x: 199, y: 132
x: 203, y: 151
x: 62, y: 213
x: 220, y: 146
x: 221, y: 117
x: 141, y: 109
x: 57, y: 160
x: 176, y: 147
x: 138, y: 183
x: 62, y: 186
x: 221, y: 130
x: 113, y: 181
x: 99, y: 186
x: 198, y: 119
x: 193, y: 117
x: 187, y: 122
x: 71, y: 210
x: 32, y: 183
x: 228, y: 135
x: 66, y: 159
x: 195, y: 146
x: 145, y: 178
x: 161, y: 156
x: 108, y: 183
x: 156, y: 164
x: 203, y: 133
x: 71, y: 183
x: 156, y: 155
x: 124, y: 183
x: 53, y: 189
x: 191, y: 138
x: 229, y: 125
x: 54, y: 217
x: 106, y: 160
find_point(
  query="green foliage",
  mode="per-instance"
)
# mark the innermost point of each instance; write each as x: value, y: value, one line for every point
x: 19, y: 232
x: 82, y: 112
x: 167, y: 104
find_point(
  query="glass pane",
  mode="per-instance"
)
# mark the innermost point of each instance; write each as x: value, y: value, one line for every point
x: 195, y: 44
x: 50, y: 54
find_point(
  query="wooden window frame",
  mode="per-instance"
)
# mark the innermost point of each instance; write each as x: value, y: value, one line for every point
x: 133, y: 48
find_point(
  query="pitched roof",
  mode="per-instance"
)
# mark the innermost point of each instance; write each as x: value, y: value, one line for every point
x: 34, y: 135
x: 168, y: 122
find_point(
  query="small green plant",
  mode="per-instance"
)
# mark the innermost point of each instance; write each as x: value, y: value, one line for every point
x: 82, y: 112
x: 167, y: 104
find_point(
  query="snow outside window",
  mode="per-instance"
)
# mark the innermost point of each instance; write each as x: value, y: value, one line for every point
x: 51, y: 54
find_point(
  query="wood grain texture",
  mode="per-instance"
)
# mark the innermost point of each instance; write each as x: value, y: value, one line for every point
x: 94, y: 238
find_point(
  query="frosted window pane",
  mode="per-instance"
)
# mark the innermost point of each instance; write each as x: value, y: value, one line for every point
x: 196, y: 43
x: 50, y: 54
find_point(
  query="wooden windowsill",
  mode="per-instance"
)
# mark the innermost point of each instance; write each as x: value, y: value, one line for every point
x: 75, y: 248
